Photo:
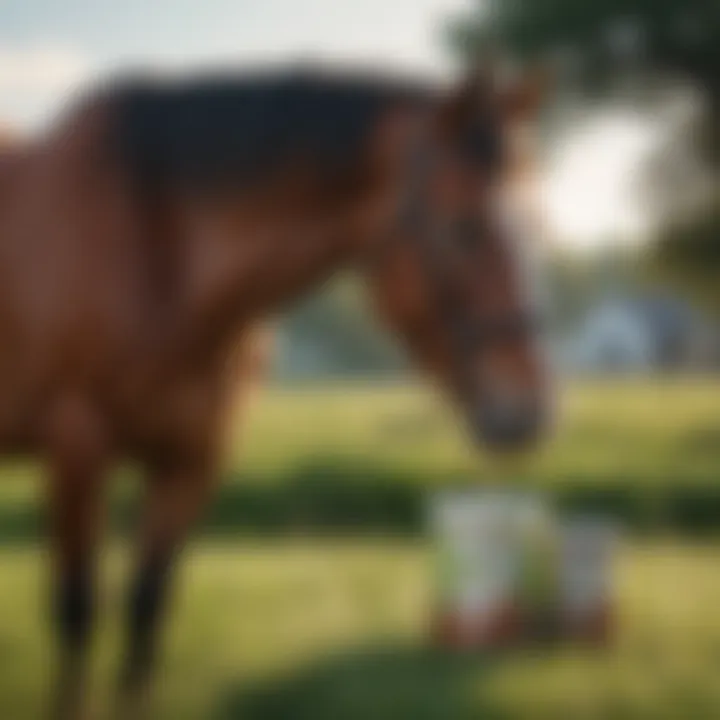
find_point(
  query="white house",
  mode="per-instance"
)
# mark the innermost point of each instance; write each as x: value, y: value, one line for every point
x: 613, y: 337
x: 639, y: 334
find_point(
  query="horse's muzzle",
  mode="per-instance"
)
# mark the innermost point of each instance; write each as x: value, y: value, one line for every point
x: 511, y: 423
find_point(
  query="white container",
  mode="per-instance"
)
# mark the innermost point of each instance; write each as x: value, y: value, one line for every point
x: 587, y: 552
x: 476, y: 567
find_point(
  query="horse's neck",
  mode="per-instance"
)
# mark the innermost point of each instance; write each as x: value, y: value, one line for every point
x: 9, y: 157
x: 233, y: 276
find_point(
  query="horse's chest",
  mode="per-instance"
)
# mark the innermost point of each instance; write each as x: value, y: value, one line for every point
x: 155, y: 406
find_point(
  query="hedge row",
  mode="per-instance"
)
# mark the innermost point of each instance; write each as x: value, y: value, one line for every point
x: 324, y: 504
x: 377, y: 506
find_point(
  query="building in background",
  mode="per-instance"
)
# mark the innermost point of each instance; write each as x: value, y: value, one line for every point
x: 640, y: 334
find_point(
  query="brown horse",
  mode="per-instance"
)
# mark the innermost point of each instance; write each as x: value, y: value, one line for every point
x: 145, y: 232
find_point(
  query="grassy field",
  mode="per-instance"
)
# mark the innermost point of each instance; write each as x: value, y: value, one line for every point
x: 629, y: 433
x: 334, y: 629
x: 337, y: 631
x: 642, y: 432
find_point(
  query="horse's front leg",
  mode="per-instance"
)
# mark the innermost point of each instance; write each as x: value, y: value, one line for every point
x: 178, y: 491
x: 77, y: 458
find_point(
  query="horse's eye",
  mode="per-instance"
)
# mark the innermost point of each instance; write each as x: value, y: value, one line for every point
x: 483, y: 146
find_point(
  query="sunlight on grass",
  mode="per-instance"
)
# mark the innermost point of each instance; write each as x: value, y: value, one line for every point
x: 644, y: 431
x: 327, y: 629
x: 301, y: 630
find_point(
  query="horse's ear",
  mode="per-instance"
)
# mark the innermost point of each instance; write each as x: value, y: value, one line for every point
x: 484, y: 76
x: 524, y: 97
x: 475, y: 92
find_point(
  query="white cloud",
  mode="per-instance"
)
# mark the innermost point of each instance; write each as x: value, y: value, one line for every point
x: 41, y: 68
x: 590, y: 191
x: 35, y: 78
x: 403, y: 35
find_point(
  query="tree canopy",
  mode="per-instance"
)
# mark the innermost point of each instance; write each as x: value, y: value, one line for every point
x: 598, y: 44
x: 604, y: 37
x: 686, y: 255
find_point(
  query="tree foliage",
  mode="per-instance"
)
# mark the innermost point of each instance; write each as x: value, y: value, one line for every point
x: 597, y: 43
x: 333, y: 333
x: 687, y: 255
x: 677, y: 36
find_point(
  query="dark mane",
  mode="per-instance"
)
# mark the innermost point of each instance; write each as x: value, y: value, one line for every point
x: 219, y: 129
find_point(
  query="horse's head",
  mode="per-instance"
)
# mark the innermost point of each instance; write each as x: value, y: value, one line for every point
x: 452, y: 282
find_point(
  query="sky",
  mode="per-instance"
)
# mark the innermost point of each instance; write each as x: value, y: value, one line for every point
x: 50, y: 47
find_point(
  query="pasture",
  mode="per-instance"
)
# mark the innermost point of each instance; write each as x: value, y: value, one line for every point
x: 300, y: 624
x: 643, y: 432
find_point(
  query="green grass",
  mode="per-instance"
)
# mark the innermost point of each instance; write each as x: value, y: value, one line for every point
x: 326, y: 631
x: 361, y: 457
x: 642, y: 431
x: 335, y: 629
x: 639, y: 432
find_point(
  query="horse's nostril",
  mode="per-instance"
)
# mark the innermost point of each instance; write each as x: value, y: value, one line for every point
x: 503, y: 427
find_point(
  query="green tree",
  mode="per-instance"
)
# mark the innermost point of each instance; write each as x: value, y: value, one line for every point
x: 680, y: 36
x: 686, y: 255
x: 605, y: 40
x: 599, y: 46
x: 344, y: 336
